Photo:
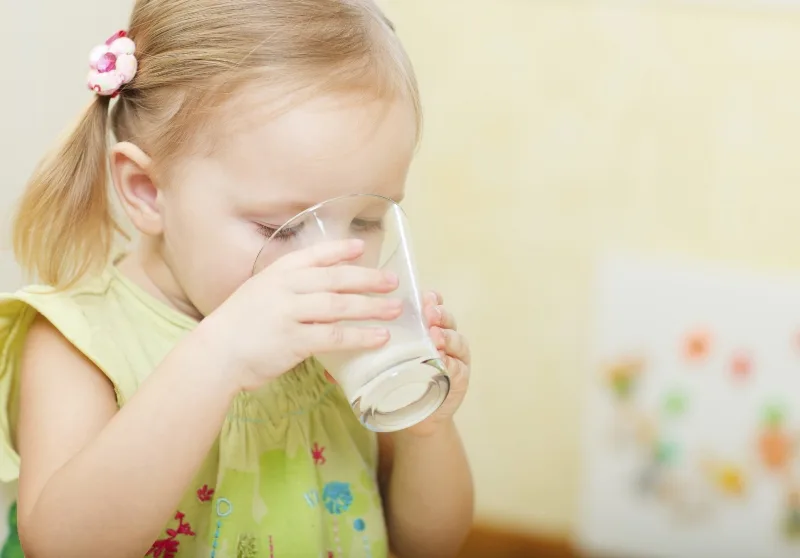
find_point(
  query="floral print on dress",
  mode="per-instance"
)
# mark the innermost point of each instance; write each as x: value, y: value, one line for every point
x: 337, y: 497
x: 204, y: 494
x: 169, y: 546
x: 318, y: 453
x: 246, y: 547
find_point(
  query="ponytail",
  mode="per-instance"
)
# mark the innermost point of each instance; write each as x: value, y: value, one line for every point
x: 64, y: 227
x: 190, y: 56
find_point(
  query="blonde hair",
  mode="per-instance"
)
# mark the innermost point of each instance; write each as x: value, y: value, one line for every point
x: 192, y: 55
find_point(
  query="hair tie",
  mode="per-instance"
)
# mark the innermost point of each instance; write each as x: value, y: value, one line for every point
x: 112, y: 65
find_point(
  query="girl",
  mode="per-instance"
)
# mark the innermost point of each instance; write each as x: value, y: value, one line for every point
x: 147, y: 393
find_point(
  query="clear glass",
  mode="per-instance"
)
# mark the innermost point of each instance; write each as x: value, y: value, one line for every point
x: 405, y: 381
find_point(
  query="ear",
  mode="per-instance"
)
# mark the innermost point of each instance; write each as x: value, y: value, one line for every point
x: 131, y: 172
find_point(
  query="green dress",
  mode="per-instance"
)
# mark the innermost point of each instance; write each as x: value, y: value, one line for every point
x: 292, y: 474
x: 12, y: 547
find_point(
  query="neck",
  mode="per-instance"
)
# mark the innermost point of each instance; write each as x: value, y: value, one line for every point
x: 147, y: 268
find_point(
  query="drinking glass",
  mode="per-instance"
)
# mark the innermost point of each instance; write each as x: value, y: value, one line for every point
x: 405, y: 381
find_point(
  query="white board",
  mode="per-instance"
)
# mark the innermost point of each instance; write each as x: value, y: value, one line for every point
x: 701, y: 458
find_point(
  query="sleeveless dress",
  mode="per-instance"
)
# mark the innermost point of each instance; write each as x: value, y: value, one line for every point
x: 292, y: 474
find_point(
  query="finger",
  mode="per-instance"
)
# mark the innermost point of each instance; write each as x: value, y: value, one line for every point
x: 448, y: 319
x: 428, y: 306
x: 324, y: 254
x: 439, y: 316
x: 343, y: 279
x: 431, y: 316
x: 327, y: 308
x: 455, y: 345
x: 330, y: 338
x: 430, y: 299
x: 456, y: 368
x: 437, y: 335
x: 330, y: 378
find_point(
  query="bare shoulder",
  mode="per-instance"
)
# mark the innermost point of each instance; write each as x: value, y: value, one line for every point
x: 64, y: 402
x: 50, y: 361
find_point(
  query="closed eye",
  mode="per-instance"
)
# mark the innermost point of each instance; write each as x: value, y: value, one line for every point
x: 287, y: 233
x: 365, y: 225
x: 279, y: 233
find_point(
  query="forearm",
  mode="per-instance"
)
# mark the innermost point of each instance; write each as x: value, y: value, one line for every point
x: 114, y: 497
x: 429, y: 495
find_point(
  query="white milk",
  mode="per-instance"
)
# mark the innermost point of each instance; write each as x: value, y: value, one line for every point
x: 354, y: 370
x: 393, y: 387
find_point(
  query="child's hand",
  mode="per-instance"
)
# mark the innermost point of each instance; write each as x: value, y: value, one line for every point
x: 455, y: 351
x: 292, y: 310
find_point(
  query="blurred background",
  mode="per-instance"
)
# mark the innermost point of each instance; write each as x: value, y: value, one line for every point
x: 575, y: 152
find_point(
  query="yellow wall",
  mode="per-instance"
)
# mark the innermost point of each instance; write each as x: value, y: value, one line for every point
x: 557, y: 130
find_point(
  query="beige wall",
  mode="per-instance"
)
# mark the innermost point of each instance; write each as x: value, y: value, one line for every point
x: 559, y: 130
x: 556, y: 130
x: 44, y: 49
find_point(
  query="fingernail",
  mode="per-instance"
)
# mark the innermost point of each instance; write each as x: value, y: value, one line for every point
x: 432, y: 298
x: 391, y: 278
x: 382, y: 333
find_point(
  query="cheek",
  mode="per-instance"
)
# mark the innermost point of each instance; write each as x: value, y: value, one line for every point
x: 376, y: 250
x: 227, y: 265
x: 272, y: 251
x: 212, y: 255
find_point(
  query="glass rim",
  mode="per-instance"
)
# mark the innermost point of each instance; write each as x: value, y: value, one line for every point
x: 313, y: 208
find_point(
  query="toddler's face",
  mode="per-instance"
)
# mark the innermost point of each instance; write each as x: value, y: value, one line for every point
x: 221, y: 208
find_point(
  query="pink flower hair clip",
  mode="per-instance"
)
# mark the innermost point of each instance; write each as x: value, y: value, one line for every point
x: 112, y: 65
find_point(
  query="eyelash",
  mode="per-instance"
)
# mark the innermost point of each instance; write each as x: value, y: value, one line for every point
x: 360, y: 225
x: 285, y: 234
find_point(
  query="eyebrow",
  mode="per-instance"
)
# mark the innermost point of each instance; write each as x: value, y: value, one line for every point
x: 298, y: 206
x: 281, y: 210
